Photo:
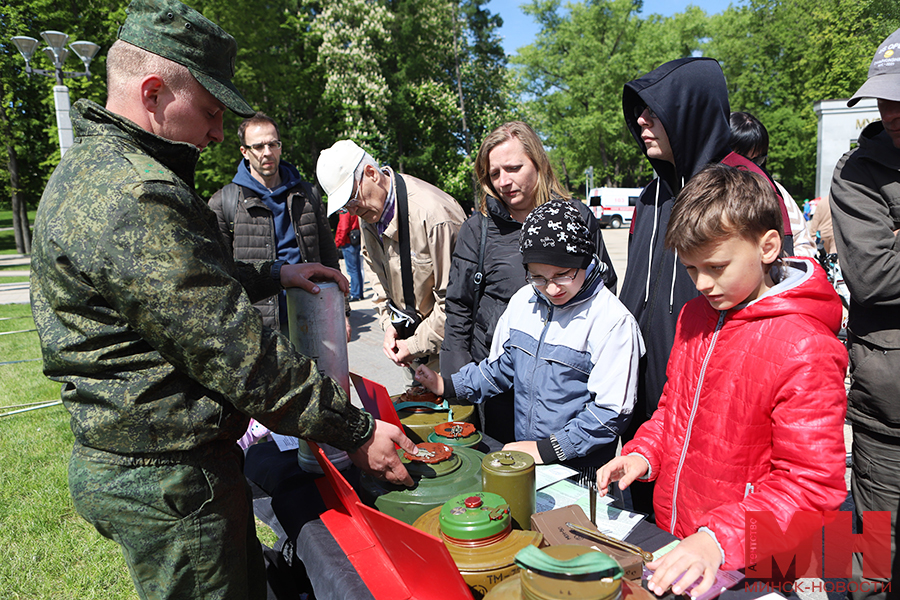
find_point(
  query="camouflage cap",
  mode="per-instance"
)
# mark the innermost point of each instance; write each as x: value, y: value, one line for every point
x: 181, y: 34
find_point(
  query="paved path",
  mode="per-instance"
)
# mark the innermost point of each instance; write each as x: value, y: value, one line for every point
x: 14, y: 293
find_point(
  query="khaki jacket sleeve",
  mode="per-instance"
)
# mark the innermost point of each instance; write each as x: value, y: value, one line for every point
x: 430, y: 333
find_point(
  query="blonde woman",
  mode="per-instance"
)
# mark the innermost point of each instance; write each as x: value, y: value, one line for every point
x: 515, y: 176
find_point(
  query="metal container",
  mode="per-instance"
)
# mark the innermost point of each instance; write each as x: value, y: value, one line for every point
x: 510, y: 474
x: 452, y: 470
x: 476, y: 528
x: 318, y: 329
x: 456, y: 433
x: 419, y: 423
x: 528, y: 585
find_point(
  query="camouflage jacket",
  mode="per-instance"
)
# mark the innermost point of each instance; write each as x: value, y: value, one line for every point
x: 144, y: 317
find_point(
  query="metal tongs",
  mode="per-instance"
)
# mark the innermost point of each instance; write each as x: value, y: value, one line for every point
x: 597, y: 535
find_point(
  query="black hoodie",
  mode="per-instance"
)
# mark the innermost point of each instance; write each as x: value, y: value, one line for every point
x: 690, y: 99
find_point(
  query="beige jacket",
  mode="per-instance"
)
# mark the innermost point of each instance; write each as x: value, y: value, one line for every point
x: 434, y: 221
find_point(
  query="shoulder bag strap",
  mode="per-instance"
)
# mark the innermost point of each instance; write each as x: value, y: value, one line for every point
x: 230, y: 196
x: 409, y: 298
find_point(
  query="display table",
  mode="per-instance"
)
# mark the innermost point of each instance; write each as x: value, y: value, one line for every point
x: 287, y: 499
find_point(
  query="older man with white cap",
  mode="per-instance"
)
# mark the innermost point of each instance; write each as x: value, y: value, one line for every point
x: 409, y: 231
x: 865, y: 206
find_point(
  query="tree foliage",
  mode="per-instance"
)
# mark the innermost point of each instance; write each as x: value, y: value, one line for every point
x: 398, y: 76
x: 779, y: 58
x: 27, y: 111
x: 420, y: 82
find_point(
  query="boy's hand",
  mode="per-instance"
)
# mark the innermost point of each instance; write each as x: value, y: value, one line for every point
x: 695, y: 556
x: 624, y: 469
x: 526, y: 447
x: 431, y: 380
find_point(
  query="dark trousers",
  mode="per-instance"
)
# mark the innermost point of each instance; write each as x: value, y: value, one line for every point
x: 875, y: 483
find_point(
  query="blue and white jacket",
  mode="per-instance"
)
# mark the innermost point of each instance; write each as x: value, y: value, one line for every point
x: 573, y: 369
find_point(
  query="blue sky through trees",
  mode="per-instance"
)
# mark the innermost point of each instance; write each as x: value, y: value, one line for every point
x: 519, y: 29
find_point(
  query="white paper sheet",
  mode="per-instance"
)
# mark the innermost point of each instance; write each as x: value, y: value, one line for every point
x: 610, y: 520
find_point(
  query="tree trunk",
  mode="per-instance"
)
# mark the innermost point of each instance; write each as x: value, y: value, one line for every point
x: 21, y: 226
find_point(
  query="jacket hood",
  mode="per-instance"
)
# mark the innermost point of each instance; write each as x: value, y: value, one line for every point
x: 290, y: 178
x: 804, y: 289
x: 875, y: 144
x: 690, y: 98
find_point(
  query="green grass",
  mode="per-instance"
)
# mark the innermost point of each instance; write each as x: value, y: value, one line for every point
x: 8, y: 238
x: 13, y: 279
x: 49, y: 552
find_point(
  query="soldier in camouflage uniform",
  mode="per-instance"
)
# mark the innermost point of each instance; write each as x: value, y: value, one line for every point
x: 147, y: 322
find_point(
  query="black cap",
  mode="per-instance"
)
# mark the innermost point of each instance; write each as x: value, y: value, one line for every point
x: 555, y: 234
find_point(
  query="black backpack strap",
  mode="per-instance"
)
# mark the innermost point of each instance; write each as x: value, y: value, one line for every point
x: 409, y: 297
x: 312, y: 191
x: 478, y: 278
x: 231, y: 195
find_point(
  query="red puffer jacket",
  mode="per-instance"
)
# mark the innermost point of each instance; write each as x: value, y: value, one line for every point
x: 752, y: 415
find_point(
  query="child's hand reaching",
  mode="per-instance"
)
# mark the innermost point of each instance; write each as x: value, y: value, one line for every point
x: 694, y: 557
x: 624, y: 469
x: 430, y: 379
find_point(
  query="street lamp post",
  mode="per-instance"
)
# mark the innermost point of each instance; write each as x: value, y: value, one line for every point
x: 56, y: 51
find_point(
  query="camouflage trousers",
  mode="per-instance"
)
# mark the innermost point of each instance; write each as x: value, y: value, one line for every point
x: 184, y: 520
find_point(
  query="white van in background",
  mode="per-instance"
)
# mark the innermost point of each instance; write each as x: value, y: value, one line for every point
x: 613, y: 207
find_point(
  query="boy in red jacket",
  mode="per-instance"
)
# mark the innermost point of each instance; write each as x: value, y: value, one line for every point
x: 751, y: 417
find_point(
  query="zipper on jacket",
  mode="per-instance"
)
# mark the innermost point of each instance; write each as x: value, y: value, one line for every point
x: 537, y: 354
x: 687, y: 433
x: 748, y: 489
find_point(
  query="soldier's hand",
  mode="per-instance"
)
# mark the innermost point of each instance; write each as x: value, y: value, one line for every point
x: 379, y: 458
x: 304, y: 274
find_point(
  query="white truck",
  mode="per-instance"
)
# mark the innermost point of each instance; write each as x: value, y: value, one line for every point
x: 613, y: 207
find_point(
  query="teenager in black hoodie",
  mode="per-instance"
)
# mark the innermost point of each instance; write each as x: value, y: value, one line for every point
x: 678, y: 114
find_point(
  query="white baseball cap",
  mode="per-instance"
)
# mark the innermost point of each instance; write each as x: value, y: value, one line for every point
x: 335, y: 169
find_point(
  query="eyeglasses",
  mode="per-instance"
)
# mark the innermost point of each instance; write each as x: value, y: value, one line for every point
x: 760, y: 160
x: 273, y: 145
x: 557, y: 281
x: 639, y: 110
x: 353, y: 201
